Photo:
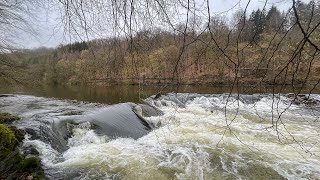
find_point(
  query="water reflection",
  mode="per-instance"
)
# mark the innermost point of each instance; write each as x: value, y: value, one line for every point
x: 124, y: 93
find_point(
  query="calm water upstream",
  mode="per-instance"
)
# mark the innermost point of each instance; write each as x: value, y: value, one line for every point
x: 203, y: 133
x: 119, y: 94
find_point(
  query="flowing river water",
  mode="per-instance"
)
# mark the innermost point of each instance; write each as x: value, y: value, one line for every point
x: 175, y: 136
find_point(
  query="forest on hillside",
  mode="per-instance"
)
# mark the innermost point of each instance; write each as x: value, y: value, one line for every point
x: 265, y: 46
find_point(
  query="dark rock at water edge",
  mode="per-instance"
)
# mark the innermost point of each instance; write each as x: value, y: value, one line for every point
x: 303, y: 99
x: 16, y: 166
x: 7, y: 118
x: 6, y: 95
x: 13, y: 164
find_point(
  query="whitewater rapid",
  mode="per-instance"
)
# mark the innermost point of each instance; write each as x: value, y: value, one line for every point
x: 197, y: 137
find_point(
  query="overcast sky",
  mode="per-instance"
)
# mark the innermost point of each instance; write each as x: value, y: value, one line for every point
x: 50, y: 30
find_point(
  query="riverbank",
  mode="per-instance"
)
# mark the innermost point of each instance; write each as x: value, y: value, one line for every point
x: 204, y: 81
x: 13, y: 163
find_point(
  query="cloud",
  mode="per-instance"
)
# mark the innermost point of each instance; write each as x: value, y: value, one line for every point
x: 51, y: 32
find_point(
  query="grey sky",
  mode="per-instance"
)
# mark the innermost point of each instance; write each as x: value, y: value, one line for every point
x: 49, y: 28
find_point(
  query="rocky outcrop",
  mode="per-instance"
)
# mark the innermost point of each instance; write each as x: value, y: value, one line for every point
x: 13, y: 164
x: 303, y: 99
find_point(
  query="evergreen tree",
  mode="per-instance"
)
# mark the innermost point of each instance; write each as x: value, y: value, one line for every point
x: 274, y: 20
x: 258, y: 21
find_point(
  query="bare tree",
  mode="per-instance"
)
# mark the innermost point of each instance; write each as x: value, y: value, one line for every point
x: 266, y: 47
x: 15, y: 18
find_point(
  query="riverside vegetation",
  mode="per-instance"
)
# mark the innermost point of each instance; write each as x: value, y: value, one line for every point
x: 262, y: 48
x: 13, y: 164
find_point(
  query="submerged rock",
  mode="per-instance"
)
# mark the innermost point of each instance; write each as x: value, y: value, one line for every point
x: 121, y: 120
x: 31, y: 151
x: 118, y: 121
x: 72, y: 113
x: 258, y: 171
x: 302, y: 99
x: 146, y: 110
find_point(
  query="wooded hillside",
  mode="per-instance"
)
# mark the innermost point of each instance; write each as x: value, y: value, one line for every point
x: 265, y: 46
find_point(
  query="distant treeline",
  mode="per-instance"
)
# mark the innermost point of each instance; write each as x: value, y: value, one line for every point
x: 261, y: 46
x: 73, y: 47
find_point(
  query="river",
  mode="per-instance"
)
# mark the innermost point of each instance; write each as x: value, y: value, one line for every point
x: 123, y: 133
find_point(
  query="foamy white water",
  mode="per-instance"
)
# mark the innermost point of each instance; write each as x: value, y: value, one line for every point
x: 198, y: 137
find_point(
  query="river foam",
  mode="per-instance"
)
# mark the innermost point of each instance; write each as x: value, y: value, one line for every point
x: 197, y: 137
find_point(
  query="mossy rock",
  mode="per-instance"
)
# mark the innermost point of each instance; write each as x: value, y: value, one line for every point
x: 7, y: 118
x: 18, y: 133
x: 31, y: 166
x: 8, y: 141
x: 9, y: 163
x: 15, y: 166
